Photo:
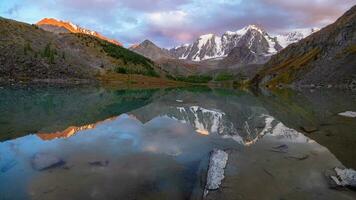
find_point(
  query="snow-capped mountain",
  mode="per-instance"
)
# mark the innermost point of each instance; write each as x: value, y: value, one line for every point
x: 295, y: 35
x: 210, y: 46
x: 253, y: 38
x: 58, y: 26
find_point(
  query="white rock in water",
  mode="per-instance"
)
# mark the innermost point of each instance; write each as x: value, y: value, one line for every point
x: 217, y: 164
x: 348, y: 114
x: 42, y: 161
x: 345, y: 177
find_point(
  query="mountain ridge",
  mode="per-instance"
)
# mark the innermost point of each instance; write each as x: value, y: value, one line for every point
x: 59, y: 26
x: 29, y: 53
x: 150, y: 50
x: 211, y: 46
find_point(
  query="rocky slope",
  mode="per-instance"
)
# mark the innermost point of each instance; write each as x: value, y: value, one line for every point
x: 58, y: 26
x: 325, y: 58
x: 28, y: 53
x: 151, y: 51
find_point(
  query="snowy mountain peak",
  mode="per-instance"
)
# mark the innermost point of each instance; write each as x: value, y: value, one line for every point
x: 207, y: 36
x: 294, y: 35
x: 251, y: 27
x: 245, y: 29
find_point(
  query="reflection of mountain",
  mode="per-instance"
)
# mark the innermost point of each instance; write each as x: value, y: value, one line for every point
x: 318, y: 110
x: 70, y: 131
x: 49, y: 109
x: 205, y: 121
x: 240, y: 118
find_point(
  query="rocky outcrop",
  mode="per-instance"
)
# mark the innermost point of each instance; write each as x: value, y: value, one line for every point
x: 217, y: 164
x: 348, y: 114
x: 345, y: 177
x: 43, y: 161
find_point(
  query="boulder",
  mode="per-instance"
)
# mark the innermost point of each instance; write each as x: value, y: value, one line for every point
x: 217, y: 164
x: 348, y: 114
x: 345, y: 177
x: 43, y: 161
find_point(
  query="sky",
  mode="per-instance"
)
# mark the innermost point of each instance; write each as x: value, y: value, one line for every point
x: 170, y: 23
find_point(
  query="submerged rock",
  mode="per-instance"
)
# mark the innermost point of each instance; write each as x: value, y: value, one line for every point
x: 345, y: 177
x: 217, y: 164
x: 7, y: 166
x: 283, y: 148
x: 99, y: 163
x: 309, y: 129
x: 348, y: 114
x: 43, y: 161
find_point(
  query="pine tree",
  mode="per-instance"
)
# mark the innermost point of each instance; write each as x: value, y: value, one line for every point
x: 51, y: 57
x: 47, y: 51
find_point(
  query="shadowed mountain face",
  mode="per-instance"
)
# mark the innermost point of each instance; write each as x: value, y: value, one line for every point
x: 151, y: 51
x: 325, y: 58
x: 58, y: 26
x: 242, y: 56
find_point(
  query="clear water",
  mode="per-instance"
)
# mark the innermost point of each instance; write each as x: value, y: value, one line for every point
x: 155, y: 144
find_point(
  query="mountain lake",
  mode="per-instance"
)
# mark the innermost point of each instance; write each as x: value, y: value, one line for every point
x: 92, y: 142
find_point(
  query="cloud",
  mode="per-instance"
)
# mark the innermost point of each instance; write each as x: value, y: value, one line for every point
x: 167, y: 19
x: 172, y: 22
x: 316, y: 12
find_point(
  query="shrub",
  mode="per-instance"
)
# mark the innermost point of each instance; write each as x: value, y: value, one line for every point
x: 194, y: 78
x: 120, y: 70
x: 223, y: 77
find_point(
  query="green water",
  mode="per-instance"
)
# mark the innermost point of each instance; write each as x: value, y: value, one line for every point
x: 156, y: 143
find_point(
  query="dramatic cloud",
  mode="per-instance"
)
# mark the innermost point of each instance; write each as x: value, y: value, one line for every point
x: 172, y: 22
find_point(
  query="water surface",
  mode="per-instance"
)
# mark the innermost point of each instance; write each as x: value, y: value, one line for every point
x: 155, y: 144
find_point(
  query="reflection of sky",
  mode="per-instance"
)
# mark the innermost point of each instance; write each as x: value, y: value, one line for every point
x: 125, y: 136
x: 116, y: 138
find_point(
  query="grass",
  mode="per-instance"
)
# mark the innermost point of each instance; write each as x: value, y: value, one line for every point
x: 192, y: 78
x: 286, y: 72
x: 136, y: 81
x: 223, y: 76
x: 351, y: 49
